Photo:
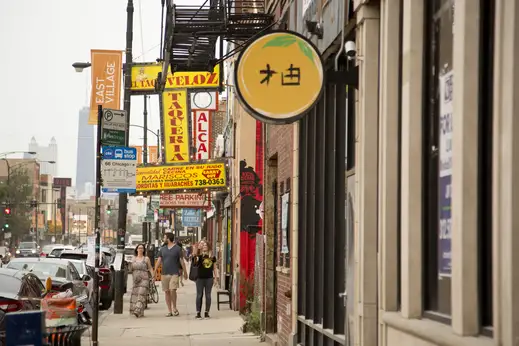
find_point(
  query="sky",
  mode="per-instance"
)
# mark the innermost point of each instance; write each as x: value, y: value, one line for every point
x: 42, y: 94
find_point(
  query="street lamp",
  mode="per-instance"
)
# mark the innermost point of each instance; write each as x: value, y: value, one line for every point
x: 80, y: 66
x: 17, y: 152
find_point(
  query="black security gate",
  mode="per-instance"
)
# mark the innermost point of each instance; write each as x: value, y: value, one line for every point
x: 322, y: 224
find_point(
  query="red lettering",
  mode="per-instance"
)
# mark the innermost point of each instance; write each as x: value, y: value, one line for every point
x: 202, y: 138
x: 212, y: 78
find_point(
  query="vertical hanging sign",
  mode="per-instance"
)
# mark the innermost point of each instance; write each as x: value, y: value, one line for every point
x: 176, y: 126
x: 445, y: 175
x: 202, y: 134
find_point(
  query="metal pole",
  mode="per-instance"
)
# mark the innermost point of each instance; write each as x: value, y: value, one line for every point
x: 159, y: 149
x: 123, y: 197
x: 95, y: 319
x: 55, y: 205
x: 145, y: 225
x: 37, y: 231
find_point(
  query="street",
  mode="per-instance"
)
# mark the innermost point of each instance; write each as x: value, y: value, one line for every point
x: 222, y: 329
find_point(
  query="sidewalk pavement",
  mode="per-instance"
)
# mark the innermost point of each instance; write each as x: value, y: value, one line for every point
x: 223, y: 328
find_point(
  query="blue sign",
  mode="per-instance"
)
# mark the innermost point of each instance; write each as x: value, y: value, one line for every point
x: 119, y: 153
x: 191, y: 218
x: 119, y: 169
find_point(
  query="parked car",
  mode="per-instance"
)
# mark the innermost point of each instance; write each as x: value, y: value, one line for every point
x: 60, y: 271
x: 5, y: 255
x: 19, y: 291
x: 57, y: 250
x: 106, y: 276
x: 28, y: 249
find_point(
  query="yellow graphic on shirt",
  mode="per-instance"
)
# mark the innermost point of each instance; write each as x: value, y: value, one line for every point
x: 207, y: 263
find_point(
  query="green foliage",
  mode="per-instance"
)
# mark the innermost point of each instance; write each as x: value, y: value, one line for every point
x: 17, y: 193
x: 252, y: 323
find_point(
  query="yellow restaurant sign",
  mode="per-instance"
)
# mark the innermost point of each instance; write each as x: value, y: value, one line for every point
x: 144, y: 76
x: 279, y: 77
x: 194, y: 176
x: 176, y: 126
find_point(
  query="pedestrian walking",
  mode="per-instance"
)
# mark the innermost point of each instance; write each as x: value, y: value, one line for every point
x: 170, y: 256
x: 205, y: 262
x: 183, y: 256
x: 142, y: 273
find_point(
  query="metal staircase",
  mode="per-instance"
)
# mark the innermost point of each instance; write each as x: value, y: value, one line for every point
x: 191, y: 32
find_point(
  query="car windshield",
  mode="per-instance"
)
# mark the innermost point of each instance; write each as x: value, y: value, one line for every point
x: 10, y: 284
x: 56, y: 252
x: 48, y: 248
x: 48, y: 269
x: 79, y: 267
x: 27, y: 246
x: 76, y: 256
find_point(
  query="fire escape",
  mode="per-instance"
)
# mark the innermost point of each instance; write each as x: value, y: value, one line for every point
x: 192, y: 32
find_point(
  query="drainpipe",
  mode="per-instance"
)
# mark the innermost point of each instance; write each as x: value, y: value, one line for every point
x: 294, y: 201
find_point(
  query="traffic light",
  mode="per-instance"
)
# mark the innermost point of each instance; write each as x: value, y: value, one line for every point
x: 108, y: 210
x: 7, y: 211
x: 60, y: 205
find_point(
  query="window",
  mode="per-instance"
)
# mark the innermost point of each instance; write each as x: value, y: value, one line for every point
x: 485, y: 163
x: 439, y: 21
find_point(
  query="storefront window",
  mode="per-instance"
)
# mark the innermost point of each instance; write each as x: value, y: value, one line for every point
x: 438, y: 45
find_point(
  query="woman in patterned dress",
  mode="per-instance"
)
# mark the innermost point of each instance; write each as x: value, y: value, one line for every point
x: 141, y: 273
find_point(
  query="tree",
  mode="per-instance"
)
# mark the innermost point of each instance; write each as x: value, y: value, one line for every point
x: 16, y: 193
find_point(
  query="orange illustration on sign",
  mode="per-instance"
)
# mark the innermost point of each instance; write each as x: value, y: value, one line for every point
x: 176, y: 136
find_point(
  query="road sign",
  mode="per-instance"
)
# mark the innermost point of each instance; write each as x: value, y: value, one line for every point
x: 113, y: 127
x: 118, y: 169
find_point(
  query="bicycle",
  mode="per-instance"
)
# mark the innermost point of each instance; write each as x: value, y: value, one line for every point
x: 153, y: 293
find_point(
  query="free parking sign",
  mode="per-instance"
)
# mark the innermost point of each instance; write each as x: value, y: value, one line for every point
x: 118, y: 169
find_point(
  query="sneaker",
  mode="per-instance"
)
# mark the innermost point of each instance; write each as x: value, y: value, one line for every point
x: 198, y: 317
x: 207, y: 315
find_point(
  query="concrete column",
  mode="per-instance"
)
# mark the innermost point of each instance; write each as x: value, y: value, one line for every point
x: 411, y: 156
x: 390, y: 13
x: 367, y: 176
x: 506, y: 171
x: 464, y: 241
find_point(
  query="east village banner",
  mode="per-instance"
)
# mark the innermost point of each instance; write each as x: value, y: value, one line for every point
x: 184, y: 177
x: 106, y: 81
x: 176, y: 126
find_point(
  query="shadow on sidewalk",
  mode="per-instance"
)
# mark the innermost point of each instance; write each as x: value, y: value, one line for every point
x: 223, y: 327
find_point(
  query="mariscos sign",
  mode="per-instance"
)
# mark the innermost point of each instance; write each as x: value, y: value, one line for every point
x: 193, y: 176
x: 185, y: 200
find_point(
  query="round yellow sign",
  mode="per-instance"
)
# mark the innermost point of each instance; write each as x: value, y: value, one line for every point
x: 279, y: 77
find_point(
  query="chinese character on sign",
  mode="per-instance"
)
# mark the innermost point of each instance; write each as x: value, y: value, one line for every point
x: 293, y: 77
x: 269, y: 73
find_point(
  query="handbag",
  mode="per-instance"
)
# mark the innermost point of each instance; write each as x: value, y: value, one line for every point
x: 193, y: 272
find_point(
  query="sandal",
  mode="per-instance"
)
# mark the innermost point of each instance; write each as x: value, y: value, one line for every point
x: 169, y: 314
x: 176, y: 313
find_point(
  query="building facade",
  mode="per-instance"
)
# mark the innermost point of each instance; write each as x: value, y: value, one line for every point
x: 44, y: 154
x: 85, y: 161
x: 400, y: 182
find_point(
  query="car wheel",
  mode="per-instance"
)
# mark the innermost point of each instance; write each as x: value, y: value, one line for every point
x: 106, y: 304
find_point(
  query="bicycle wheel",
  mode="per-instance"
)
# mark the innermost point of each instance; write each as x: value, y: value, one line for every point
x: 154, y: 294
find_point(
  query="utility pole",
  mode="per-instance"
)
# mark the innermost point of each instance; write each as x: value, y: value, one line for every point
x: 145, y: 228
x: 123, y: 197
x: 97, y: 215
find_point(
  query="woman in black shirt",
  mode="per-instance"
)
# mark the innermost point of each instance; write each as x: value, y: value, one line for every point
x: 205, y: 262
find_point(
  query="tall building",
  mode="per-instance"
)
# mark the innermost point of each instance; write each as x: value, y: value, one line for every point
x: 45, y: 153
x: 85, y: 166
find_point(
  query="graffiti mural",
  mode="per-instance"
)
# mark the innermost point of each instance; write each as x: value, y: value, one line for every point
x: 251, y: 199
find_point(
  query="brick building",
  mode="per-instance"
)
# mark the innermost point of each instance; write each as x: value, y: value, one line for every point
x: 278, y: 284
